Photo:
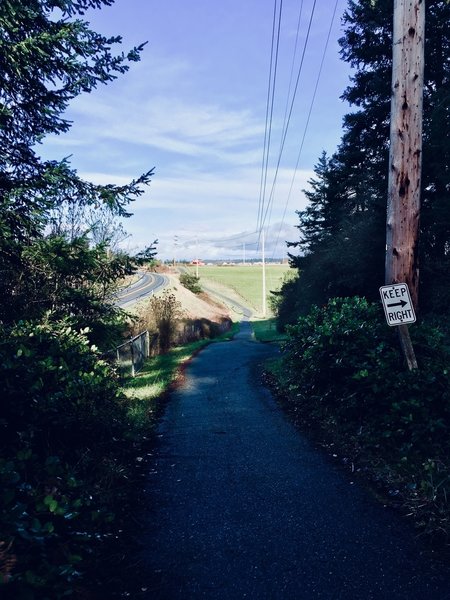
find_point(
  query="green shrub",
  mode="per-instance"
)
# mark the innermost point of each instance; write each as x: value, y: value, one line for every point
x: 60, y: 412
x: 342, y: 358
x: 343, y: 369
x: 191, y: 282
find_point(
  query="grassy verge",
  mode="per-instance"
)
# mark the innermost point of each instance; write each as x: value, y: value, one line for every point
x: 246, y: 281
x: 159, y: 372
x: 266, y: 331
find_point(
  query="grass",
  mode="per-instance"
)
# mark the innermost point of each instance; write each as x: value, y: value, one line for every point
x: 266, y: 331
x: 246, y: 280
x: 159, y: 372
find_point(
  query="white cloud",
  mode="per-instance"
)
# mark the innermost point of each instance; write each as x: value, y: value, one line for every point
x: 208, y: 207
x: 172, y: 125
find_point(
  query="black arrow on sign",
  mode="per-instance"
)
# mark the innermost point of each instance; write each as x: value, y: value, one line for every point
x: 402, y: 303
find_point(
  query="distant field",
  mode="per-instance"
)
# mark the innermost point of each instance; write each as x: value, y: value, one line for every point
x: 246, y: 280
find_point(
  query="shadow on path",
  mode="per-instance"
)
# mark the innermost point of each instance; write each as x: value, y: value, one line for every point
x: 240, y: 505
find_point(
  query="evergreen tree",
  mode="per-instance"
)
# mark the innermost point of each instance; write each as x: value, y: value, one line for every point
x: 343, y: 228
x: 62, y: 412
x: 48, y: 56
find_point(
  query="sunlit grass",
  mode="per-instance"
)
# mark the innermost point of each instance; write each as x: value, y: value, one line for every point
x: 246, y: 280
x: 266, y: 331
x: 146, y: 389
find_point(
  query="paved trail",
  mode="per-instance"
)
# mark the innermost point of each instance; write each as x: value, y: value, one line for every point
x: 243, y: 507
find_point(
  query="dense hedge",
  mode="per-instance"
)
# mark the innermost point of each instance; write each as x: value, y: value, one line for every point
x: 342, y: 369
x: 59, y: 416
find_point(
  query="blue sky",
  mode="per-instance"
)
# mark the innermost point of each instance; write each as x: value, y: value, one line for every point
x: 194, y: 108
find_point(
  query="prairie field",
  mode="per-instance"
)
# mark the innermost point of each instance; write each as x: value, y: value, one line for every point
x: 246, y: 280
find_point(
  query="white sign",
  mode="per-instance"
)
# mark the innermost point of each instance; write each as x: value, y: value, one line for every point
x: 397, y: 304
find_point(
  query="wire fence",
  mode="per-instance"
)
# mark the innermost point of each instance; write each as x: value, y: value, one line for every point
x: 131, y: 354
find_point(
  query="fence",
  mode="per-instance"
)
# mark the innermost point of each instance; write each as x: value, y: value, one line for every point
x: 131, y: 355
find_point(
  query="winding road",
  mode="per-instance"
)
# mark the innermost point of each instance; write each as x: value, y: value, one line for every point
x: 242, y: 506
x: 147, y: 284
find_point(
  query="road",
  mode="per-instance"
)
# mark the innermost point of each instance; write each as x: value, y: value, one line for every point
x: 241, y: 506
x: 147, y: 284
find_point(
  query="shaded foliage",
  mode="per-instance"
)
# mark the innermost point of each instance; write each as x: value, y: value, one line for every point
x: 60, y: 410
x: 74, y: 282
x: 62, y: 419
x: 342, y: 230
x: 342, y: 370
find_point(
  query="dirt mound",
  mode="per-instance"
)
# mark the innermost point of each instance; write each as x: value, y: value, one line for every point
x: 196, y: 306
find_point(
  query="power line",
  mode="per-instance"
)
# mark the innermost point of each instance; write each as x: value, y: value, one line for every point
x: 291, y: 76
x: 271, y: 101
x: 319, y: 73
x: 267, y: 113
x: 270, y: 201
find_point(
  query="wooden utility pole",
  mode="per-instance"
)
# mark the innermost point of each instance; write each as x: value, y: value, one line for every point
x: 405, y: 158
x: 263, y: 275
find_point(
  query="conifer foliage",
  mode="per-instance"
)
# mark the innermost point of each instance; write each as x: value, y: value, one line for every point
x: 62, y: 416
x: 342, y: 231
x: 48, y: 56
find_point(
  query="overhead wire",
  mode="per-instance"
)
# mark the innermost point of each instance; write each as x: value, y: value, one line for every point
x: 269, y: 111
x: 319, y: 73
x: 291, y: 76
x: 270, y: 201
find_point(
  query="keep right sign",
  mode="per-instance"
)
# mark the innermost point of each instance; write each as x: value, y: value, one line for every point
x: 397, y: 304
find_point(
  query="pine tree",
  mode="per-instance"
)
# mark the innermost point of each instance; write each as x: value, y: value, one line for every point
x: 48, y: 56
x: 343, y: 227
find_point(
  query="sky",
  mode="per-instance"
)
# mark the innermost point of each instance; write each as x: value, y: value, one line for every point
x: 195, y: 107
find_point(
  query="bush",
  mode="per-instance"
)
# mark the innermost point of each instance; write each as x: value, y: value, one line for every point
x: 60, y: 412
x: 191, y: 282
x: 166, y: 312
x: 343, y: 369
x: 343, y: 359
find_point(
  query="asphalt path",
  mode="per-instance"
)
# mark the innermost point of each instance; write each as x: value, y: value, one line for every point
x: 241, y: 506
x: 147, y: 284
x: 238, y: 308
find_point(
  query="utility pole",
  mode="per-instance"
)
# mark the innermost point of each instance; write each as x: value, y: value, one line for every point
x: 263, y: 252
x: 405, y: 157
x: 196, y: 248
x: 175, y: 244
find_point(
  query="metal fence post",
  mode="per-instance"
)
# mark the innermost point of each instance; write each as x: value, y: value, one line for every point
x: 132, y: 358
x: 147, y: 344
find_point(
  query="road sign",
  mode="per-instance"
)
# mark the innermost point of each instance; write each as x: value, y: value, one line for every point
x: 397, y: 304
